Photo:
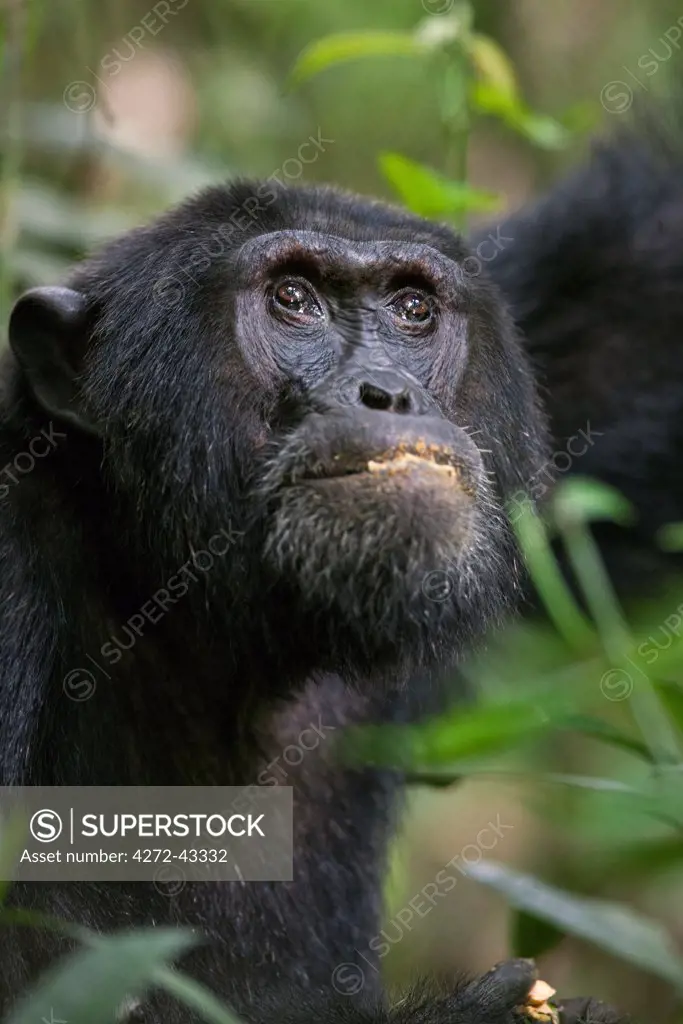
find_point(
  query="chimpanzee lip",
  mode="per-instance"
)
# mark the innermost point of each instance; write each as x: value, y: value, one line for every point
x: 407, y: 462
x: 398, y: 459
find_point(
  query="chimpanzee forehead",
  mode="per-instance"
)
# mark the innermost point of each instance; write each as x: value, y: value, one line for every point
x: 335, y: 256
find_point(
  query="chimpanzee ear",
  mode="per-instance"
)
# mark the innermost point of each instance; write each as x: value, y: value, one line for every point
x: 48, y: 333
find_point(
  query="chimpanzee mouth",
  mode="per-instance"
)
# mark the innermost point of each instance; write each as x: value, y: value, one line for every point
x: 343, y: 455
x: 399, y: 459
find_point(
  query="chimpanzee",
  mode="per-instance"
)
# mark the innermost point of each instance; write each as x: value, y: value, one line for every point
x: 335, y: 389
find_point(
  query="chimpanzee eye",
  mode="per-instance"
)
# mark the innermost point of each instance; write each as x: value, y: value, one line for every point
x: 413, y: 307
x: 297, y: 298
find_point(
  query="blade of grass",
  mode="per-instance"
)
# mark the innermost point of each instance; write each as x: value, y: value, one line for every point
x: 565, y: 614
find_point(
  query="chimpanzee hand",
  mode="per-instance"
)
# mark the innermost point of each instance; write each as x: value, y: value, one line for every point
x: 501, y: 997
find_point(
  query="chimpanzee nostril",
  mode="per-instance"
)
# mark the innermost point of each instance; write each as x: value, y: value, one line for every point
x: 372, y: 396
x: 403, y: 402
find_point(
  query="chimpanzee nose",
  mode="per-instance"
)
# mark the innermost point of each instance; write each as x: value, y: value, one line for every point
x: 392, y: 391
x: 382, y: 390
x: 383, y: 398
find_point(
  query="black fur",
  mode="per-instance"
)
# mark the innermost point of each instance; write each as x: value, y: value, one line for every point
x: 186, y: 404
x: 593, y: 277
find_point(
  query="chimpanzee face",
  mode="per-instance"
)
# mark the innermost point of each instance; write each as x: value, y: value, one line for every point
x: 337, y: 382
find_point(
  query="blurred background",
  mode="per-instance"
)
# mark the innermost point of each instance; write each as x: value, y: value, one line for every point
x: 113, y: 109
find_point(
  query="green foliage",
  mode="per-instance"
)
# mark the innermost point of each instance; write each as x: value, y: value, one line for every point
x: 430, y: 194
x: 476, y: 78
x: 513, y: 112
x: 349, y: 46
x: 531, y: 937
x: 538, y: 685
x: 614, y: 928
x: 93, y: 983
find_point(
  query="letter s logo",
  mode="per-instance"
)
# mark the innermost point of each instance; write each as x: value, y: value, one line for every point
x: 46, y: 826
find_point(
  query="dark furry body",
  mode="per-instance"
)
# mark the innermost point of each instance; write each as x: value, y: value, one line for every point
x: 99, y: 526
x: 594, y: 279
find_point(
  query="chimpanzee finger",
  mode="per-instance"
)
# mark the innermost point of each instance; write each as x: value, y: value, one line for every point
x: 500, y: 990
x: 586, y: 1010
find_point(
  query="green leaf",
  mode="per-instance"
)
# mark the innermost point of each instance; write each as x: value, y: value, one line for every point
x: 19, y: 918
x: 581, y: 118
x: 547, y: 577
x: 592, y: 783
x: 530, y: 937
x: 89, y: 986
x: 662, y: 665
x: 442, y: 777
x: 454, y: 109
x: 444, y: 741
x: 483, y: 730
x: 670, y: 537
x: 646, y: 858
x: 492, y: 99
x: 612, y: 926
x: 429, y: 194
x: 195, y: 996
x: 545, y: 132
x: 598, y: 728
x: 397, y: 879
x: 671, y: 696
x: 348, y: 46
x: 493, y: 65
x: 583, y: 499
